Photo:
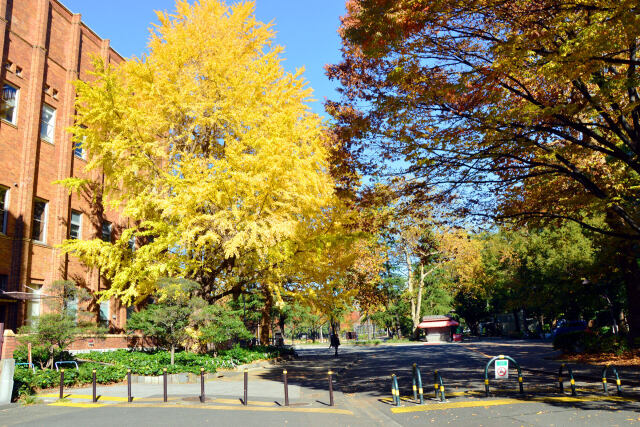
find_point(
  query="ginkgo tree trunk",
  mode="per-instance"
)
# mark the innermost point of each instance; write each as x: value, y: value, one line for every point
x: 210, y: 153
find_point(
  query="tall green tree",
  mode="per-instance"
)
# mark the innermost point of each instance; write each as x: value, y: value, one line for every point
x: 524, y: 111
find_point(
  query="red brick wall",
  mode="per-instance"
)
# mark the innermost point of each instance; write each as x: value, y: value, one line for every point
x: 52, y: 47
x: 108, y: 342
x: 9, y: 344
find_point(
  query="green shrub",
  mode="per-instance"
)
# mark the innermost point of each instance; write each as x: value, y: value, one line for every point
x: 111, y: 366
x: 39, y: 355
x: 589, y: 342
x: 573, y: 342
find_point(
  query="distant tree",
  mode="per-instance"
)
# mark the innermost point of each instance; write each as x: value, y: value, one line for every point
x: 523, y: 111
x: 54, y: 331
x: 218, y: 324
x: 167, y: 319
x: 471, y: 305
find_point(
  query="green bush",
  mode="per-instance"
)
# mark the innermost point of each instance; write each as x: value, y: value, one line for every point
x: 573, y: 342
x: 39, y: 355
x: 111, y: 366
x: 589, y: 342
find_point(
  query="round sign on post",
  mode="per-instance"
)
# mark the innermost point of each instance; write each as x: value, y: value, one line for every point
x: 502, y: 369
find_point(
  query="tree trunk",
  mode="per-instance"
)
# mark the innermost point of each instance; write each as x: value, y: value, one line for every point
x: 321, y: 339
x: 631, y: 273
x: 266, y: 316
x: 516, y: 317
x: 173, y: 354
x: 419, y: 302
x: 412, y: 300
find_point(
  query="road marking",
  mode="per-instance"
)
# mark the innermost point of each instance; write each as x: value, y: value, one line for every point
x: 476, y: 350
x: 86, y: 396
x: 237, y: 402
x: 239, y: 408
x: 497, y: 402
x: 79, y: 404
x: 108, y: 398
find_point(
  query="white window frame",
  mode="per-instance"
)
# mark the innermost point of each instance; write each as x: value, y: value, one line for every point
x: 71, y: 306
x: 5, y: 215
x: 110, y: 226
x: 45, y: 221
x: 104, y: 304
x: 14, y: 117
x: 36, y: 291
x: 80, y: 145
x: 51, y: 125
x: 79, y: 237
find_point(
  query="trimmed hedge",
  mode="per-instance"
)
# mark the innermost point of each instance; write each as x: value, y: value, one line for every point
x: 27, y: 382
x: 112, y: 366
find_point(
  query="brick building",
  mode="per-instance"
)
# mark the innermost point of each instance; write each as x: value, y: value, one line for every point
x: 45, y: 48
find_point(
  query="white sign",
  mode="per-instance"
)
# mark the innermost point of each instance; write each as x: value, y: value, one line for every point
x: 502, y: 369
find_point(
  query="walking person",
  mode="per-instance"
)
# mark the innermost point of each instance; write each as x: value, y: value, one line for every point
x: 334, y: 342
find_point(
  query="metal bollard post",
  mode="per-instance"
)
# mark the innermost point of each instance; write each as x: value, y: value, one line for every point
x: 95, y: 398
x: 330, y: 388
x: 61, y: 383
x: 395, y: 390
x: 286, y: 388
x: 202, y: 395
x: 129, y: 398
x: 164, y: 375
x: 246, y: 383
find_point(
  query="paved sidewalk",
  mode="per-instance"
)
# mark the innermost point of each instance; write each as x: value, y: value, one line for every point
x: 362, y: 380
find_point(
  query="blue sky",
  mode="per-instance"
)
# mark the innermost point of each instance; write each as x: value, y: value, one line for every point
x: 307, y: 29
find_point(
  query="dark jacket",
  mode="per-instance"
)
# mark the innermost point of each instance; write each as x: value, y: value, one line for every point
x: 335, y: 340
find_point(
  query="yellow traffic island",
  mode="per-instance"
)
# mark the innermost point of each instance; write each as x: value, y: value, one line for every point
x: 509, y: 401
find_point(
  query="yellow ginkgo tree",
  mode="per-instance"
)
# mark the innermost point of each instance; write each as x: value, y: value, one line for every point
x: 209, y: 151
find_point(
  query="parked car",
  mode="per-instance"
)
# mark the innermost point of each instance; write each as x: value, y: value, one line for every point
x: 565, y: 326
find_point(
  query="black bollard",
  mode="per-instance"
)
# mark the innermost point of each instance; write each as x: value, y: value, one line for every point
x: 330, y: 388
x: 129, y: 398
x: 202, y: 396
x: 95, y: 397
x: 61, y: 383
x: 246, y: 383
x: 164, y: 374
x: 286, y: 388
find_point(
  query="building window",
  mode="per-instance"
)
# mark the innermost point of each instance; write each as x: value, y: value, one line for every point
x: 10, y: 103
x: 78, y: 149
x: 4, y: 206
x: 48, y: 123
x: 71, y: 307
x: 104, y: 314
x: 4, y: 282
x: 39, y: 232
x: 33, y: 304
x: 106, y: 231
x: 75, y: 225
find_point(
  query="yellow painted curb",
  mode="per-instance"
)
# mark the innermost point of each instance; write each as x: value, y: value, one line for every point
x: 110, y: 398
x: 240, y: 408
x: 86, y: 396
x: 237, y: 402
x: 497, y: 402
x: 78, y: 404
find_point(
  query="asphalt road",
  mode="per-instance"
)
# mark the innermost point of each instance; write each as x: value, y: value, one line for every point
x: 362, y: 393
